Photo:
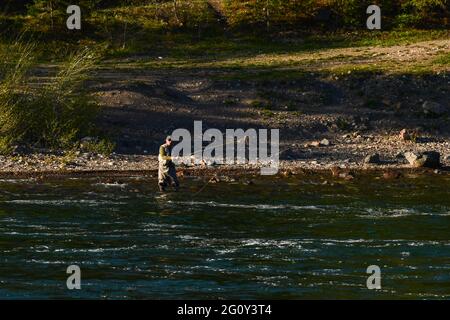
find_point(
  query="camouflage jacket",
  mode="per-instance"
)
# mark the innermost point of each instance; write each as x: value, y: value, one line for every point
x: 164, y: 156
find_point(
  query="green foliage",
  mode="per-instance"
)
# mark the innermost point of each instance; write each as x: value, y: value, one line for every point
x: 102, y: 146
x: 138, y: 26
x: 343, y: 124
x: 49, y: 15
x: 334, y: 13
x: 268, y: 12
x: 443, y: 60
x: 422, y: 13
x: 6, y: 145
x: 54, y: 114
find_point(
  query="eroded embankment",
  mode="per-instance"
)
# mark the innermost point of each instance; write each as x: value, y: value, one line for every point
x: 223, y: 173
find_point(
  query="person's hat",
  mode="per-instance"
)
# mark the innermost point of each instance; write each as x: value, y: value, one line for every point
x: 169, y: 138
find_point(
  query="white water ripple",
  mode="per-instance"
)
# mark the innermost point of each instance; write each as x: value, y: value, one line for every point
x: 65, y: 202
x: 248, y: 206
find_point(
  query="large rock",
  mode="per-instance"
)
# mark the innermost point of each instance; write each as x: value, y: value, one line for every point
x: 433, y: 108
x: 429, y: 159
x: 411, y: 156
x: 372, y: 159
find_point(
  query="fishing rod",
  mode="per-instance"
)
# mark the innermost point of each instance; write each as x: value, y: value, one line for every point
x: 209, y: 181
x: 193, y: 158
x: 215, y: 175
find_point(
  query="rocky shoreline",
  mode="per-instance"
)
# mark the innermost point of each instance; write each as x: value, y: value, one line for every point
x: 342, y: 158
x: 346, y: 152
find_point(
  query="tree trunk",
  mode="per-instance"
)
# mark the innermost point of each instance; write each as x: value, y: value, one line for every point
x: 175, y: 9
x: 51, y: 13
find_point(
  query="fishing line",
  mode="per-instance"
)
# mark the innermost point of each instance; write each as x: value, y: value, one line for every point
x: 214, y: 176
x: 192, y: 157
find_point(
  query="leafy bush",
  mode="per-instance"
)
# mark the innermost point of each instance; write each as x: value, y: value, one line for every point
x: 423, y: 13
x: 50, y: 14
x: 333, y: 13
x: 102, y: 146
x: 55, y: 114
x: 269, y: 13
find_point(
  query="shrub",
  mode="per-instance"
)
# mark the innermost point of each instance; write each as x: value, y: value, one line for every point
x: 55, y: 114
x: 102, y: 146
x: 423, y: 13
x: 346, y: 13
x: 269, y: 13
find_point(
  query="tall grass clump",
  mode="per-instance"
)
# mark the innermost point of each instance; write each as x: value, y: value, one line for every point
x: 54, y: 114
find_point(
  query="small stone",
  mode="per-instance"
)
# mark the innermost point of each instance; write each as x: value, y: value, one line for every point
x: 214, y: 180
x: 287, y: 173
x: 315, y: 144
x: 404, y: 135
x: 325, y: 142
x: 346, y: 176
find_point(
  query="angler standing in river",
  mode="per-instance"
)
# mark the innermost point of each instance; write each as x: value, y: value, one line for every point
x: 167, y: 174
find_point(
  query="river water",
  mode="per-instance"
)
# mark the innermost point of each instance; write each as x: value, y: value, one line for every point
x: 275, y: 238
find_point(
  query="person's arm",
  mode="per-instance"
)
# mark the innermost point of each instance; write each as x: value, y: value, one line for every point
x: 163, y: 155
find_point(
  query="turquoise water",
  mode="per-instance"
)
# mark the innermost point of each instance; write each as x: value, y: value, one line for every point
x: 277, y: 238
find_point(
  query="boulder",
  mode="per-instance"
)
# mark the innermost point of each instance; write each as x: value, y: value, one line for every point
x: 432, y: 159
x: 372, y: 159
x: 429, y: 159
x: 411, y: 156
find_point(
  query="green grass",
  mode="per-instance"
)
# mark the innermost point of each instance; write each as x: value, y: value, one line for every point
x: 443, y: 60
x: 55, y: 114
x: 102, y: 146
x: 247, y: 57
x: 396, y: 37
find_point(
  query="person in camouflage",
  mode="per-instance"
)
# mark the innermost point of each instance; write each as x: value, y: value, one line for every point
x: 167, y: 174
